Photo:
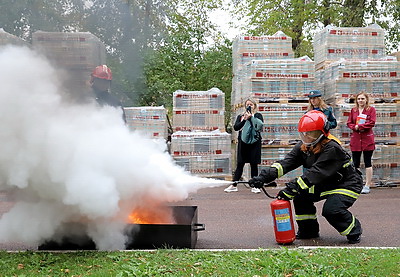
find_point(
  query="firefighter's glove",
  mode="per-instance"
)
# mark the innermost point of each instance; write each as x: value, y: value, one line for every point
x: 256, y: 182
x: 288, y: 193
x: 285, y: 194
x: 293, y: 186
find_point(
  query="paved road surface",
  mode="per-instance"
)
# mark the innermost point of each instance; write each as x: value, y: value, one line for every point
x: 242, y: 220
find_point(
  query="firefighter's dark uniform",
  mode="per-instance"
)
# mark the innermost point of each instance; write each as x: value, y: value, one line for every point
x: 329, y: 175
x: 104, y: 98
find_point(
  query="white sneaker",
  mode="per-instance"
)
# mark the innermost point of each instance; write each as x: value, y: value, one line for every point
x: 365, y: 190
x: 255, y: 190
x: 231, y: 188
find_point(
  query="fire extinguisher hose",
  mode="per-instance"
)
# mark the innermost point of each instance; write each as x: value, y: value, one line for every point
x: 272, y: 184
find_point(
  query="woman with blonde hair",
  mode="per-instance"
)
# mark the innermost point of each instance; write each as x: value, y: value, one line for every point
x: 361, y: 121
x: 317, y: 103
x: 247, y: 153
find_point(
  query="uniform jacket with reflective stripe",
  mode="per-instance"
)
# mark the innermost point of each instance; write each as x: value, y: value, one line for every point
x: 330, y: 169
x: 362, y: 139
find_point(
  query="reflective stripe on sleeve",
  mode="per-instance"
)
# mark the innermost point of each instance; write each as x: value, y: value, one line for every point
x: 301, y: 183
x: 290, y: 196
x: 347, y: 164
x: 341, y: 191
x: 278, y: 166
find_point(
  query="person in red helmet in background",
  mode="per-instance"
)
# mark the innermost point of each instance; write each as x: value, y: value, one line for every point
x: 330, y: 176
x: 100, y: 82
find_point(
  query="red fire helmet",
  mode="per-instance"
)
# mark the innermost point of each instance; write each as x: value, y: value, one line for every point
x: 102, y: 72
x: 313, y: 121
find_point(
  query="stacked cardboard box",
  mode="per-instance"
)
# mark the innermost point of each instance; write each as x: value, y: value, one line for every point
x: 151, y: 121
x: 199, y: 110
x: 289, y: 79
x: 272, y: 76
x: 76, y: 53
x: 345, y: 78
x: 350, y: 60
x: 202, y: 153
x: 199, y: 142
x: 280, y: 122
x: 247, y: 49
x: 9, y: 39
x: 334, y: 43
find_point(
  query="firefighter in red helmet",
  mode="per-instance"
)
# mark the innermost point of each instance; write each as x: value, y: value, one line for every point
x: 100, y: 81
x: 330, y: 176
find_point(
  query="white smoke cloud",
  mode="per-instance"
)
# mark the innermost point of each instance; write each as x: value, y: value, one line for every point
x: 68, y: 164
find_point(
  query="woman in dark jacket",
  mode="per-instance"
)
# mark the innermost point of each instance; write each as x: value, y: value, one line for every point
x: 247, y: 153
x: 361, y: 121
x: 330, y: 176
x: 317, y: 103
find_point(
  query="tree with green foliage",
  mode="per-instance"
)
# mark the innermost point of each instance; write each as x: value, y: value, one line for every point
x: 300, y: 19
x: 187, y: 60
x: 154, y: 47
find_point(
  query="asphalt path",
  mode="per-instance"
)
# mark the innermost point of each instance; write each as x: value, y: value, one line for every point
x: 243, y: 220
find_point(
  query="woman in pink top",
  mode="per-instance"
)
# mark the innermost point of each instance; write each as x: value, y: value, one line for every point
x: 361, y: 120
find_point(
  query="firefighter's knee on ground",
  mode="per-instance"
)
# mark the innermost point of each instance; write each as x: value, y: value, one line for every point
x: 331, y: 212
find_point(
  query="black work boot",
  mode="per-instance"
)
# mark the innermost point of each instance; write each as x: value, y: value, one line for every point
x: 307, y: 235
x: 355, y: 238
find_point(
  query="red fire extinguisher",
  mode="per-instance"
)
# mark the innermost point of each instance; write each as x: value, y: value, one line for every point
x: 283, y: 221
x: 281, y: 211
x: 282, y: 215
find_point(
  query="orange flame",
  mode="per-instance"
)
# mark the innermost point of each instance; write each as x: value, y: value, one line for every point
x: 157, y: 216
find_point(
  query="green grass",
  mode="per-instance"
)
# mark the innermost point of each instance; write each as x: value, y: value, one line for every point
x: 168, y: 262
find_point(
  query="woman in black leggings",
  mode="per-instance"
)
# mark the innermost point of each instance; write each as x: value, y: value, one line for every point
x: 361, y: 120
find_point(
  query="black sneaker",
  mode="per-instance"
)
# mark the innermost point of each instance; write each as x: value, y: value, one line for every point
x: 353, y: 239
x: 302, y: 235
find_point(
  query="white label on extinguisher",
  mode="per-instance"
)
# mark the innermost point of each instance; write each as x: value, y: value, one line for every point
x: 282, y: 220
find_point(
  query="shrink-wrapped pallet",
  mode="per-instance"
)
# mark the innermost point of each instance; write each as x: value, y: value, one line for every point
x: 199, y: 100
x: 76, y: 54
x: 199, y: 110
x: 269, y: 80
x: 79, y: 50
x: 203, y: 120
x: 151, y: 121
x: 333, y: 43
x: 206, y: 166
x: 379, y: 78
x: 280, y: 122
x: 386, y: 154
x: 200, y: 143
x: 248, y: 48
x: 9, y: 39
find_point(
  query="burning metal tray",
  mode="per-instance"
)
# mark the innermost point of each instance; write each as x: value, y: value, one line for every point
x: 181, y: 234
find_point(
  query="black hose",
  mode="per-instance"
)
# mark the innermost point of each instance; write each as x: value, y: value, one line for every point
x: 272, y: 184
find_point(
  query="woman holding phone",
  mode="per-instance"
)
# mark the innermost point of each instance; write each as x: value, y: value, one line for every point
x: 247, y: 153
